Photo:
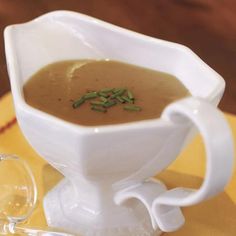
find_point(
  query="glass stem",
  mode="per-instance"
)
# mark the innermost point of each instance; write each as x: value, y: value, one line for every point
x: 12, y: 228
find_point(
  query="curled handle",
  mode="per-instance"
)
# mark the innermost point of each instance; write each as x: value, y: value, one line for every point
x: 146, y: 193
x: 218, y: 143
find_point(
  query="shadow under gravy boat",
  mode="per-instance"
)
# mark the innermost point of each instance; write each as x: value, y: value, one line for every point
x: 107, y: 188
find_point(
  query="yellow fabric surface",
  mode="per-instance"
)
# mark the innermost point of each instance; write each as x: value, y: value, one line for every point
x: 215, y: 217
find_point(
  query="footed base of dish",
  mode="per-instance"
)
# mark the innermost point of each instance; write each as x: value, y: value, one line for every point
x: 66, y: 210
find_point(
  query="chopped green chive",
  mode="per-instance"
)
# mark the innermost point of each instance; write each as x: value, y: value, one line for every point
x: 120, y: 99
x: 90, y: 95
x: 132, y: 108
x: 115, y: 90
x: 102, y: 94
x: 103, y: 99
x: 110, y: 103
x: 127, y: 99
x: 99, y: 109
x: 118, y: 93
x: 98, y: 103
x: 130, y: 95
x: 78, y: 102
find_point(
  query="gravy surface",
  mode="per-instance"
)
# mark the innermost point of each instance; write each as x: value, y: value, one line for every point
x: 54, y: 88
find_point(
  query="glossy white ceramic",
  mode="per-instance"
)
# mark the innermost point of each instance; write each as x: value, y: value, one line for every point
x: 107, y: 165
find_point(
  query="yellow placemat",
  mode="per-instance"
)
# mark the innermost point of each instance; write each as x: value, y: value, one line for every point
x: 215, y: 217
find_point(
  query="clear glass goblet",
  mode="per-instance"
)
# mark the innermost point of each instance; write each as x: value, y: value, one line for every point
x: 18, y: 196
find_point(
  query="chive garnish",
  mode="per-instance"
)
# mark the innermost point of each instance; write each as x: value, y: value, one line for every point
x: 108, y: 97
x: 120, y: 99
x: 78, y: 102
x: 99, y: 109
x: 97, y: 103
x: 109, y: 103
x: 115, y: 90
x: 104, y: 99
x: 130, y: 95
x: 127, y: 99
x: 102, y: 94
x: 132, y: 108
x: 118, y: 93
x: 90, y: 95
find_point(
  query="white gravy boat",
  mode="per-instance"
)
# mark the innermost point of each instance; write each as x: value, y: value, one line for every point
x: 105, y: 166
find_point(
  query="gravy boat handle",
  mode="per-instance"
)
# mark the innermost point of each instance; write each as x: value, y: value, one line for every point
x: 164, y: 207
x: 147, y: 192
x: 218, y: 143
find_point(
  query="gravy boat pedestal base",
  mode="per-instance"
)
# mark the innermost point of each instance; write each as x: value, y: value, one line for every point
x: 67, y: 206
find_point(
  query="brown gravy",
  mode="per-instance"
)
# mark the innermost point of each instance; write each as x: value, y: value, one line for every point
x: 54, y: 88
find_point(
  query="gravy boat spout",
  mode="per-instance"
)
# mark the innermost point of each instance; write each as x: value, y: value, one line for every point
x: 100, y: 163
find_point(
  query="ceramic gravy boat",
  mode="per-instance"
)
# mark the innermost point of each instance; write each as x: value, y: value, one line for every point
x: 107, y: 188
